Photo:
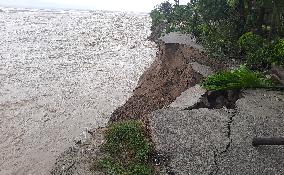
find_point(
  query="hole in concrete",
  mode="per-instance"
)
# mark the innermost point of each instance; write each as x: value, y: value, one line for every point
x: 159, y: 159
x: 218, y: 99
x: 162, y: 160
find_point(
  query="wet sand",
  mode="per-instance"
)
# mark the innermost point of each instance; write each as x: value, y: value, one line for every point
x: 60, y: 74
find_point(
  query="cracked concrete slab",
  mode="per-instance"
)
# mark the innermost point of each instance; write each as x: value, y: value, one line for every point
x: 219, y: 141
x: 259, y: 114
x: 190, y: 138
x: 204, y: 70
x: 180, y: 38
x: 189, y: 97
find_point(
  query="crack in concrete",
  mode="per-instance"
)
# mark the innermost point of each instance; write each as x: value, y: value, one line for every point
x: 216, y: 154
x: 215, y: 170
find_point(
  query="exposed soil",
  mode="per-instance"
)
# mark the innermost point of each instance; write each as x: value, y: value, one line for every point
x: 169, y: 75
x: 173, y: 72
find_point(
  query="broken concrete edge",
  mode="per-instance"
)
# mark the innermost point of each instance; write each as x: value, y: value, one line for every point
x: 169, y: 75
x: 253, y: 107
x: 197, y: 97
x: 181, y: 38
x: 158, y: 158
x: 169, y: 149
x: 85, y: 156
x: 81, y: 158
x: 82, y: 145
x: 196, y: 65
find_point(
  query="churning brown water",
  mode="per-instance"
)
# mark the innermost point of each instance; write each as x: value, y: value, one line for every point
x: 62, y: 72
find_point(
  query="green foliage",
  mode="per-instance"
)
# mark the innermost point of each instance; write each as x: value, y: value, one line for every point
x: 115, y: 168
x: 260, y: 53
x: 258, y: 59
x: 176, y: 17
x: 256, y: 50
x: 157, y: 18
x: 128, y: 150
x: 219, y: 24
x: 209, y: 21
x: 277, y: 53
x: 127, y: 137
x: 250, y: 42
x: 236, y: 79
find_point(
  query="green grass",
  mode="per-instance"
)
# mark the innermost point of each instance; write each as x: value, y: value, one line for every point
x: 241, y: 78
x: 128, y: 150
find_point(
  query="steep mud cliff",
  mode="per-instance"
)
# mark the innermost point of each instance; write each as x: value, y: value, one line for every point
x: 176, y: 68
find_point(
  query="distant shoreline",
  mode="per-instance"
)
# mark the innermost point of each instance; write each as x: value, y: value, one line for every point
x: 34, y: 9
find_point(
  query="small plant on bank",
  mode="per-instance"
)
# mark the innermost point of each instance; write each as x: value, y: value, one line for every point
x: 241, y: 78
x: 128, y: 150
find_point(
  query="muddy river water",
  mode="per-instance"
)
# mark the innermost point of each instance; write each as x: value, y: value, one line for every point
x: 62, y: 72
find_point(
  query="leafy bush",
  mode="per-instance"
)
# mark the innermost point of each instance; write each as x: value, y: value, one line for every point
x: 208, y: 21
x: 256, y: 50
x: 217, y: 25
x: 259, y: 59
x: 236, y: 79
x: 277, y: 53
x: 250, y: 42
x: 259, y: 53
x: 128, y: 150
x: 157, y: 18
x: 173, y: 17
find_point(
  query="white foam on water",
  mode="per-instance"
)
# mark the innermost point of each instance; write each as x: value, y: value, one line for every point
x: 62, y: 72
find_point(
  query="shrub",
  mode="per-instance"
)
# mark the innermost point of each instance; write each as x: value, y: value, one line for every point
x: 277, y: 53
x: 236, y: 79
x: 258, y: 59
x: 259, y: 53
x: 250, y: 42
x: 157, y: 18
x: 128, y: 150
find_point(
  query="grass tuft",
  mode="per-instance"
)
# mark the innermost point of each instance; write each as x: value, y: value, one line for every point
x: 128, y: 150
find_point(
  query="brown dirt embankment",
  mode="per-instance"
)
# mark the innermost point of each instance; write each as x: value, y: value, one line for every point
x: 176, y: 68
x: 169, y: 75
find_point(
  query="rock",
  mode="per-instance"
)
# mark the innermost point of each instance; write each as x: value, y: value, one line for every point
x: 278, y: 73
